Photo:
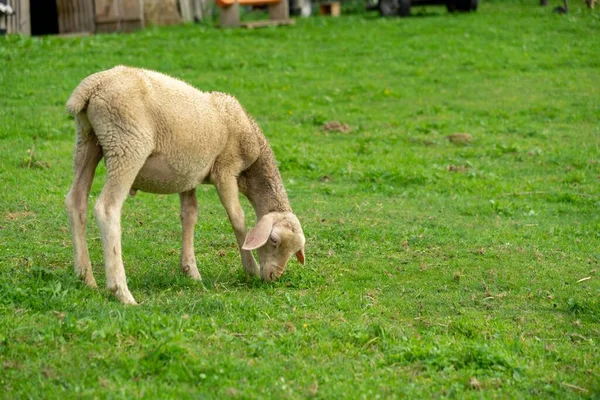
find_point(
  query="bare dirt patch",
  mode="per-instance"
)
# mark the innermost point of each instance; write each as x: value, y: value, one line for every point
x: 14, y: 216
x: 336, y: 126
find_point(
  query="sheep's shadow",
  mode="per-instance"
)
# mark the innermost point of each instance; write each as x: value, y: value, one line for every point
x: 49, y: 289
x: 163, y: 279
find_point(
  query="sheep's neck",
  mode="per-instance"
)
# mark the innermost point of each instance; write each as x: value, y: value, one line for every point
x: 264, y: 187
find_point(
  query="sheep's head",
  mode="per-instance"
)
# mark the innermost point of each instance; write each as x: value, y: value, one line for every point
x: 276, y: 237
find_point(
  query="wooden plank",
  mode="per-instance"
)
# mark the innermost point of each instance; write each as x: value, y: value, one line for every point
x: 202, y: 9
x: 227, y: 3
x: 120, y: 26
x: 20, y: 21
x: 79, y: 21
x: 11, y: 22
x: 75, y: 16
x: 60, y: 13
x: 90, y: 15
x: 69, y: 13
x: 63, y: 9
x: 229, y: 17
x: 108, y: 10
x: 132, y: 9
x: 198, y: 10
x: 268, y: 22
x: 24, y: 18
x: 279, y: 11
x: 119, y: 15
x: 161, y: 12
x: 75, y: 34
x: 3, y: 24
x: 187, y: 14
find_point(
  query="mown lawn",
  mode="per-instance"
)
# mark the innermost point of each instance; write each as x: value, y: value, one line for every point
x: 434, y: 268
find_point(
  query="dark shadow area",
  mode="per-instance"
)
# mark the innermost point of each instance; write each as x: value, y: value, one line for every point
x: 44, y: 17
x: 416, y: 12
x: 428, y: 12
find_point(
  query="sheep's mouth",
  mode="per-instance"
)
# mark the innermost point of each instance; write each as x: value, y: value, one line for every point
x: 274, y: 273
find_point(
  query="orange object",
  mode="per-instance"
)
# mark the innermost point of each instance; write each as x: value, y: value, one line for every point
x: 331, y: 8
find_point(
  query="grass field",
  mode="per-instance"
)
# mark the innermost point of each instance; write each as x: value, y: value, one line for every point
x: 434, y: 268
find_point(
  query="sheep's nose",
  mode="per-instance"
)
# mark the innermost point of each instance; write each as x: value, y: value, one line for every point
x: 272, y: 276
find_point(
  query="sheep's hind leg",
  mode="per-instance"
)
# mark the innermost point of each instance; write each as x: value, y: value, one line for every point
x: 189, y: 217
x: 121, y: 173
x: 87, y: 155
x: 229, y: 195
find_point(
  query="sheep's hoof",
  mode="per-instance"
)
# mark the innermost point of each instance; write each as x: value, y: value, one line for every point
x: 123, y: 295
x: 129, y: 300
x: 191, y: 270
x: 89, y: 281
x: 195, y: 276
x: 86, y: 275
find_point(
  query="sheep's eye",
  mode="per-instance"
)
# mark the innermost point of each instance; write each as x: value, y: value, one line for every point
x: 273, y: 240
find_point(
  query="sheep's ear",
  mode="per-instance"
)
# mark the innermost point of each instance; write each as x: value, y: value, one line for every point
x: 300, y: 255
x: 259, y: 235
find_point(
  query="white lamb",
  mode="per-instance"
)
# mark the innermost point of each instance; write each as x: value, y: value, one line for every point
x: 160, y: 135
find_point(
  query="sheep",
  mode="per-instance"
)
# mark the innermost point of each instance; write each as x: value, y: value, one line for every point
x: 160, y: 135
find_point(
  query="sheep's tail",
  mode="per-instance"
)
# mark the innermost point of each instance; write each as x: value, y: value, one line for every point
x: 80, y: 97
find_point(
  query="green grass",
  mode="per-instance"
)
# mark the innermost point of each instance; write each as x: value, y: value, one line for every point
x: 433, y: 269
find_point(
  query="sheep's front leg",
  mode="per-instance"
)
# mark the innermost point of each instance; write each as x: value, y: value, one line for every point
x: 87, y: 156
x: 229, y: 195
x: 121, y: 174
x: 189, y: 217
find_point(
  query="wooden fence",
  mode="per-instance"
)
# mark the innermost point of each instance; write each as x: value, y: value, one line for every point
x: 19, y: 21
x: 89, y: 16
x: 119, y: 15
x: 75, y: 16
